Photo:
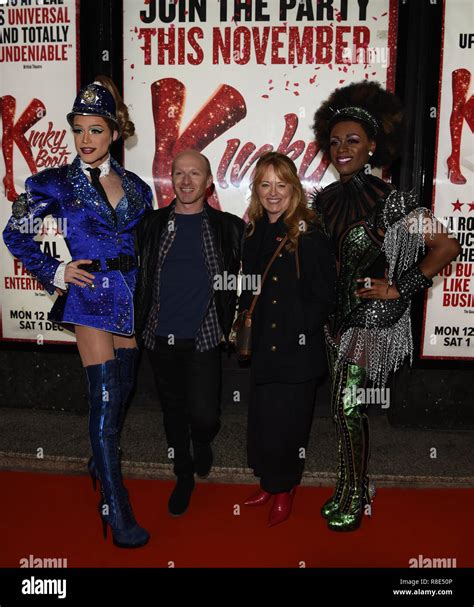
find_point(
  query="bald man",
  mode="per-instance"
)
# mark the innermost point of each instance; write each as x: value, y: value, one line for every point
x: 182, y: 320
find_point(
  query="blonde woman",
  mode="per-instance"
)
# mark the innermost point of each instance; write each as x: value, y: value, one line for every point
x: 288, y: 352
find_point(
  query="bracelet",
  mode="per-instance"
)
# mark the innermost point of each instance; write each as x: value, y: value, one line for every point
x: 412, y: 281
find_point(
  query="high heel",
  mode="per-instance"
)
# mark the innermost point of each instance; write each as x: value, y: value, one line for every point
x: 259, y: 498
x: 454, y: 172
x: 281, y: 508
x: 126, y: 533
x: 104, y: 524
x: 104, y: 418
x: 351, y: 518
x: 330, y: 507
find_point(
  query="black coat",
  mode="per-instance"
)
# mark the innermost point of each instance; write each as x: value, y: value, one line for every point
x: 288, y: 321
x: 227, y: 230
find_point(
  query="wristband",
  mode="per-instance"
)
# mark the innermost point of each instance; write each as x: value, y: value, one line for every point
x: 412, y: 281
x: 58, y: 280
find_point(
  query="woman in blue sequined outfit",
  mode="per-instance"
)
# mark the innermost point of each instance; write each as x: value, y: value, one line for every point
x: 100, y: 205
x: 378, y: 233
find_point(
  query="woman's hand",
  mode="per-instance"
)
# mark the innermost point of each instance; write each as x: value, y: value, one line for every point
x: 376, y: 288
x: 76, y: 276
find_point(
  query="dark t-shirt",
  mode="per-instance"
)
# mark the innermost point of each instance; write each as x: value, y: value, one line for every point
x: 185, y: 286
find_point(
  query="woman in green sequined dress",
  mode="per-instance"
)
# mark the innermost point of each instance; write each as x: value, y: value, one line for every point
x: 378, y: 233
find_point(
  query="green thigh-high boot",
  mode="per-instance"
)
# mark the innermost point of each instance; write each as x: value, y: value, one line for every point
x: 332, y: 505
x: 352, y: 491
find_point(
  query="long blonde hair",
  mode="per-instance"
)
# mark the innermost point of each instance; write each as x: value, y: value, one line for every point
x: 297, y: 217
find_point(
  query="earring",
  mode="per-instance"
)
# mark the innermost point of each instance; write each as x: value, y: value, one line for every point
x: 371, y: 153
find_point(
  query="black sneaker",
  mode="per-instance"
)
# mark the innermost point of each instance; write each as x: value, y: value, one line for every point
x: 181, y: 495
x: 203, y: 459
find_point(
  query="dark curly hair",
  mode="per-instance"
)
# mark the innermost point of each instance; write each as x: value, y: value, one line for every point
x: 384, y: 106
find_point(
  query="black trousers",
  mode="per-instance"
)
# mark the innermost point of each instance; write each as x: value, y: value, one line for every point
x: 189, y: 388
x: 279, y: 423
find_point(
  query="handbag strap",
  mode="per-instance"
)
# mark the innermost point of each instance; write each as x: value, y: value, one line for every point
x: 265, y: 274
x: 297, y: 261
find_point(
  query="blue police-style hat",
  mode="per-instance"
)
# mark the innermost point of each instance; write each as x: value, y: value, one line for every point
x: 94, y: 100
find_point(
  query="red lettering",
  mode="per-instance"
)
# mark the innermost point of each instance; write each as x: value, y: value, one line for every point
x: 299, y: 48
x: 195, y: 33
x: 324, y: 37
x: 261, y: 45
x: 456, y: 284
x: 146, y: 33
x: 224, y: 109
x: 242, y: 45
x: 277, y: 45
x: 361, y: 41
x: 14, y: 133
x: 221, y: 46
x: 166, y: 45
x: 342, y: 48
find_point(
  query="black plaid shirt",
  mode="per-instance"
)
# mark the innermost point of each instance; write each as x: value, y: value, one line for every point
x: 209, y: 333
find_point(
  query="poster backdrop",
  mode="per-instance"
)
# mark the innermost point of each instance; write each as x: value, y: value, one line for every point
x: 233, y: 79
x: 38, y: 81
x: 449, y: 306
x: 236, y: 79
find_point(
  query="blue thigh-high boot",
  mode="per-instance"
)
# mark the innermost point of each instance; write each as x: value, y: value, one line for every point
x: 127, y: 358
x: 127, y: 362
x: 104, y: 420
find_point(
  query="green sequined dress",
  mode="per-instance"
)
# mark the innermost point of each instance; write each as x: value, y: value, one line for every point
x: 377, y: 231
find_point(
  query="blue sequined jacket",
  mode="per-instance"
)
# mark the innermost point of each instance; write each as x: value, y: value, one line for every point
x: 91, y: 231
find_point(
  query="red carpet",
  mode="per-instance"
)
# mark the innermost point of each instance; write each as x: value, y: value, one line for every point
x: 52, y: 516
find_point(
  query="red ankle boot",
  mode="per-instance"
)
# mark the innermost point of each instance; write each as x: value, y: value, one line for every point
x: 259, y: 498
x: 281, y: 508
